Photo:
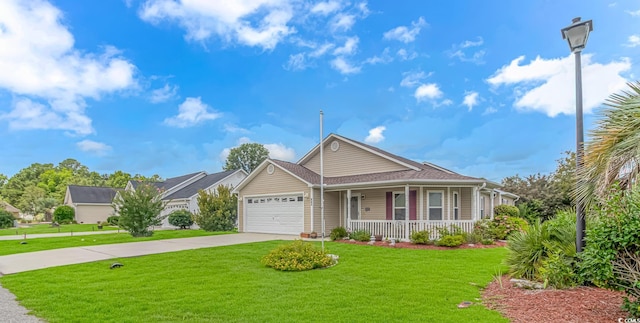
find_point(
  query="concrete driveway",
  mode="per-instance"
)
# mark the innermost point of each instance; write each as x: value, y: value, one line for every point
x: 12, y: 264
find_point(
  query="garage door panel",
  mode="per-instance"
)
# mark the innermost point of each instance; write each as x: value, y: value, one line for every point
x: 275, y: 214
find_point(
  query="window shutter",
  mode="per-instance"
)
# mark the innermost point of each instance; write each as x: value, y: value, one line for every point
x: 412, y: 205
x: 389, y: 205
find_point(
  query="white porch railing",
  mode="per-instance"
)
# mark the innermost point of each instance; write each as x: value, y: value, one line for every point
x: 397, y: 229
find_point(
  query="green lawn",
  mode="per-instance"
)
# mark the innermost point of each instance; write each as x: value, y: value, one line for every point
x: 8, y: 247
x: 228, y: 284
x: 47, y: 228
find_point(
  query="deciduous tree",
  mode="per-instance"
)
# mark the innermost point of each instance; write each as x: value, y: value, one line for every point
x: 247, y: 157
x: 139, y: 209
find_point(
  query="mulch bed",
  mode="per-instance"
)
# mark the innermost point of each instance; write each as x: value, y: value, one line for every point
x: 580, y: 304
x: 409, y: 245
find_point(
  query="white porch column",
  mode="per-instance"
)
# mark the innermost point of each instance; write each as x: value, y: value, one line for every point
x: 493, y: 196
x: 448, y: 199
x: 311, y: 205
x: 421, y: 203
x: 474, y: 203
x: 406, y: 211
x: 349, y: 209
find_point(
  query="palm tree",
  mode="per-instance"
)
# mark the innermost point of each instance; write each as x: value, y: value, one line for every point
x: 612, y: 155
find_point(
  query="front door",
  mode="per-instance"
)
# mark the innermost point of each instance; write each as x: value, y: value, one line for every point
x: 355, y: 207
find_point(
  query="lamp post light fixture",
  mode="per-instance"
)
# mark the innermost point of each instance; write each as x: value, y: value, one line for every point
x: 576, y: 35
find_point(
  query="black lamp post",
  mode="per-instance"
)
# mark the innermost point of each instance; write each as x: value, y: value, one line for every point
x: 576, y: 35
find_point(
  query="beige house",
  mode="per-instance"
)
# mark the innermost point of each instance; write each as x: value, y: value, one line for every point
x: 10, y: 208
x: 364, y: 188
x: 92, y: 204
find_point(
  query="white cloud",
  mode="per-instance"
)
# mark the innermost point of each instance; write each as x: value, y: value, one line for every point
x: 406, y: 56
x: 262, y: 23
x: 634, y: 13
x: 190, y: 113
x: 633, y: 41
x: 349, y: 48
x: 375, y: 135
x: 344, y: 67
x: 489, y: 110
x: 49, y: 78
x: 234, y: 129
x: 296, y: 62
x: 464, y: 54
x: 427, y: 92
x: 403, y: 33
x: 93, y: 147
x: 412, y: 79
x: 384, y: 58
x: 548, y: 85
x: 164, y: 94
x: 470, y: 100
x: 325, y: 8
x: 280, y: 151
x: 320, y: 51
x: 342, y: 22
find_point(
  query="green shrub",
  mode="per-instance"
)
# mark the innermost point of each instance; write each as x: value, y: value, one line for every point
x: 452, y: 230
x: 338, y: 233
x: 297, y: 256
x: 181, y: 218
x: 113, y: 220
x: 451, y: 241
x: 64, y: 214
x: 421, y: 237
x: 503, y: 226
x: 139, y: 209
x: 506, y: 210
x: 488, y: 242
x: 6, y: 219
x: 360, y: 235
x: 613, y: 238
x: 217, y: 209
x: 544, y: 252
x: 558, y: 271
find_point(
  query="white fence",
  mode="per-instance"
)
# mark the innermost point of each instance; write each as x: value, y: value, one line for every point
x: 398, y: 230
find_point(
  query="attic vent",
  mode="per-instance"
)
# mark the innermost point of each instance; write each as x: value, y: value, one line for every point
x: 270, y: 169
x: 335, y: 145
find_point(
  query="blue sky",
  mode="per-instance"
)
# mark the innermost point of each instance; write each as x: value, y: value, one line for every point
x: 167, y: 86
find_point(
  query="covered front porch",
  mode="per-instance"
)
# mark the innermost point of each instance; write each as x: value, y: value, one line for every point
x: 396, y: 211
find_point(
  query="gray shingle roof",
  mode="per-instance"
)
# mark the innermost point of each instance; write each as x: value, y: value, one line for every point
x: 91, y: 194
x: 203, y: 183
x: 426, y: 172
x: 169, y: 182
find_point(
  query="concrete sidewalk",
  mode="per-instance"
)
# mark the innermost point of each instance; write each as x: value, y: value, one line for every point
x: 12, y: 264
x: 61, y: 234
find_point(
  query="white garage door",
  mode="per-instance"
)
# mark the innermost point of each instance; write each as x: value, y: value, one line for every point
x: 275, y: 214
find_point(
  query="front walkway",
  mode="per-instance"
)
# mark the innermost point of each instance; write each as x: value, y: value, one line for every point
x: 16, y: 263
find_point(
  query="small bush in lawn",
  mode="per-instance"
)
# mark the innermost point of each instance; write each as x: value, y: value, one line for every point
x: 487, y: 242
x: 6, y: 219
x: 181, y: 218
x: 338, y: 233
x: 421, y: 237
x: 506, y: 210
x: 297, y: 256
x: 64, y: 214
x: 558, y: 271
x: 361, y: 235
x: 451, y: 241
x: 113, y: 220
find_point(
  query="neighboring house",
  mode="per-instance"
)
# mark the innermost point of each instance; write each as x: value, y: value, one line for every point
x: 10, y: 208
x: 181, y: 193
x: 92, y: 204
x: 364, y: 188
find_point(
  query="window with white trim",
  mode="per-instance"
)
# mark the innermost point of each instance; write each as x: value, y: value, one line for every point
x: 435, y: 205
x: 482, y: 207
x: 399, y: 203
x: 456, y: 208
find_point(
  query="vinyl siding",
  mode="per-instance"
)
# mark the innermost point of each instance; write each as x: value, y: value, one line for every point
x: 350, y: 160
x: 465, y: 202
x: 331, y: 212
x: 93, y: 213
x: 277, y: 183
